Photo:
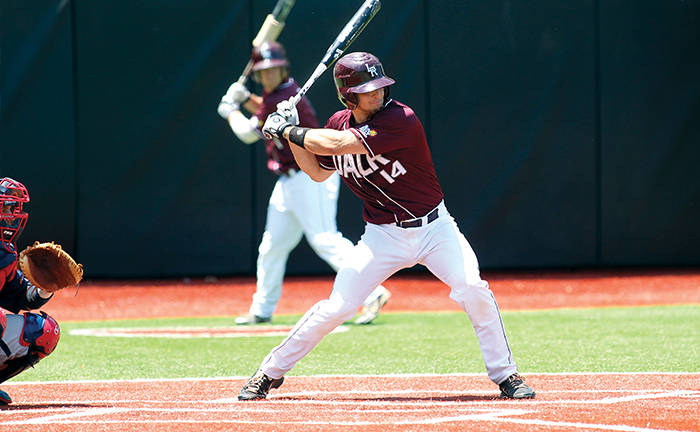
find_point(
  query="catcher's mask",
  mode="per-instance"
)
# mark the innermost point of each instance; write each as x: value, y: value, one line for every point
x: 40, y: 333
x: 13, y: 195
x: 359, y: 72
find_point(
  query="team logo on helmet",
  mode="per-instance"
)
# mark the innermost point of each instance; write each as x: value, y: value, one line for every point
x: 372, y: 70
x: 359, y: 72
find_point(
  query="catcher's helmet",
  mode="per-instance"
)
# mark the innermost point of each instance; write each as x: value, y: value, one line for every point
x: 268, y: 55
x: 40, y: 333
x: 13, y: 195
x: 359, y: 72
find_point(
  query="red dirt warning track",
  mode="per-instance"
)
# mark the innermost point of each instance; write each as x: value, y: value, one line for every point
x: 575, y: 402
x: 422, y: 292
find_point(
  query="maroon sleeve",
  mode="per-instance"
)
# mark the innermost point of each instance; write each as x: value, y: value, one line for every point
x: 388, y: 130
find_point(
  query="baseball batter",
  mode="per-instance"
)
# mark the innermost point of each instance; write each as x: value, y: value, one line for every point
x: 24, y: 339
x: 298, y: 205
x: 378, y: 147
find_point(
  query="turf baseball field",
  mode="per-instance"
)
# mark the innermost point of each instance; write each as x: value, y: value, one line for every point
x: 603, y: 349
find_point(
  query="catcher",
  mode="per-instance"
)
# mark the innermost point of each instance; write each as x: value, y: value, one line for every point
x: 27, y: 282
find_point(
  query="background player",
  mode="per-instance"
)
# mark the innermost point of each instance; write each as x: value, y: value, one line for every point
x: 379, y: 148
x: 27, y: 338
x: 298, y: 205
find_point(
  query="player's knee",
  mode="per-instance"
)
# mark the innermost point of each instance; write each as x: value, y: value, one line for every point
x: 328, y: 244
x: 278, y: 243
x: 40, y: 334
x: 465, y: 288
x: 339, y: 310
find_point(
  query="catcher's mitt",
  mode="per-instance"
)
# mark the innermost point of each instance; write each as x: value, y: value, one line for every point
x: 49, y: 267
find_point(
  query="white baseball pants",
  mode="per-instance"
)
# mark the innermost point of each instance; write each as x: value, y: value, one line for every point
x: 382, y: 251
x: 299, y: 206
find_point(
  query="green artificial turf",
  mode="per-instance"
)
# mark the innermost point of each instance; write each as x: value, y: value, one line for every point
x: 639, y: 339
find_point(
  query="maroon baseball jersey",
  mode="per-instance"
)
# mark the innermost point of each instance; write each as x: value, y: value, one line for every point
x: 396, y: 180
x: 281, y: 160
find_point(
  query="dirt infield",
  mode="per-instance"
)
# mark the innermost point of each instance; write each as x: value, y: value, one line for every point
x: 578, y: 402
x: 565, y: 402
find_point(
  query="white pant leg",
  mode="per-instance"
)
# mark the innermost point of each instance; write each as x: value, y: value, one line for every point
x: 316, y: 207
x: 453, y: 261
x: 282, y: 234
x: 365, y: 268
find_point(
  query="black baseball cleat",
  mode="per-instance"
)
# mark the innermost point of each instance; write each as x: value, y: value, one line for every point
x: 515, y: 388
x: 258, y: 386
x: 5, y: 398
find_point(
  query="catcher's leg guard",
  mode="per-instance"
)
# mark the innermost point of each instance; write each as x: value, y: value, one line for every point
x: 41, y: 333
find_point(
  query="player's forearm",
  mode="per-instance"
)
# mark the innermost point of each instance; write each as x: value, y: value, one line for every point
x: 309, y: 164
x: 241, y: 126
x: 36, y: 298
x: 253, y: 104
x: 329, y: 142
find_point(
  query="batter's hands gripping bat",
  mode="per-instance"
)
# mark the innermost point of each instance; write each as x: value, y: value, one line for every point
x: 270, y: 30
x: 351, y: 30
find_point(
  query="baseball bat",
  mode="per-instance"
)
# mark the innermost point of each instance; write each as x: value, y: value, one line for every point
x: 270, y: 30
x: 351, y: 30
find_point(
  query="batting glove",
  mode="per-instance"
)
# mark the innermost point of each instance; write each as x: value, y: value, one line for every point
x: 275, y: 125
x: 227, y: 106
x: 239, y: 93
x: 289, y: 112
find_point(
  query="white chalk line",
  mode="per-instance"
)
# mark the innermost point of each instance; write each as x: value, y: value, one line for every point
x: 191, y: 332
x: 284, y: 398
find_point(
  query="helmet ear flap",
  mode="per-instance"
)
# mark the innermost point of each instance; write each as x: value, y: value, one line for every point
x: 350, y: 100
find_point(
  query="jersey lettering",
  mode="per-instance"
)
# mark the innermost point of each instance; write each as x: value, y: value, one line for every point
x: 387, y: 177
x: 363, y: 171
x: 397, y: 169
x: 349, y: 166
x: 364, y: 165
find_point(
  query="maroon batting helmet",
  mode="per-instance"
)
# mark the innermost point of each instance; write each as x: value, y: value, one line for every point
x: 359, y: 72
x: 268, y: 55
